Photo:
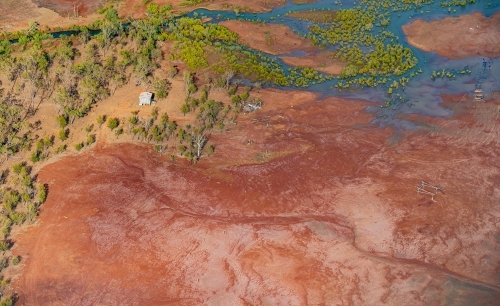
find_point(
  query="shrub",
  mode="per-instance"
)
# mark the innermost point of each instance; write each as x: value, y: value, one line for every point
x: 63, y: 134
x: 211, y: 149
x: 236, y: 99
x: 101, y: 119
x: 6, y: 301
x: 158, y: 148
x: 79, y: 146
x: 193, y: 103
x: 185, y: 109
x: 90, y: 139
x: 154, y: 112
x: 62, y: 121
x: 232, y: 90
x: 172, y: 72
x: 17, y: 168
x: 113, y: 123
x: 118, y: 132
x: 244, y: 96
x: 89, y: 128
x: 17, y: 218
x: 60, y: 149
x: 189, y: 156
x: 133, y: 120
x: 164, y: 118
x: 15, y: 260
x: 48, y: 141
x: 42, y: 193
x: 35, y: 156
x: 4, y: 246
x: 203, y: 97
x: 39, y: 145
x: 161, y: 87
x: 192, y: 88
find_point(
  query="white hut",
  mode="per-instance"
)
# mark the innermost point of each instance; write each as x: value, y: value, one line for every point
x: 145, y: 98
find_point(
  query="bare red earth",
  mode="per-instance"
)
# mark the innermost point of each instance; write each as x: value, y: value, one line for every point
x: 317, y: 208
x: 473, y: 35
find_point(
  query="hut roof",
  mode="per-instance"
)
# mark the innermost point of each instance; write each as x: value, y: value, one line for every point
x: 146, y: 94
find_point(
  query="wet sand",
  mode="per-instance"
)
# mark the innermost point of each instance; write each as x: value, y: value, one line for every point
x: 317, y: 208
x: 473, y: 35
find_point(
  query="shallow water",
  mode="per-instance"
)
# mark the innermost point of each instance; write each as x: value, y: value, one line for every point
x: 422, y: 93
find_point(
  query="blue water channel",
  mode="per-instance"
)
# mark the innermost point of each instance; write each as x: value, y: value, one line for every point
x: 421, y: 95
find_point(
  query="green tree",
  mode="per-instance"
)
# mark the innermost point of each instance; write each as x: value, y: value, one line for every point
x: 161, y: 87
x: 185, y: 108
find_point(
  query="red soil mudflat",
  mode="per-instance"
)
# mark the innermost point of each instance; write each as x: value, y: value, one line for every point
x: 269, y: 38
x: 318, y: 208
x: 473, y: 35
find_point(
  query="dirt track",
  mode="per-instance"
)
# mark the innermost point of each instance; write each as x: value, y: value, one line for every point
x: 316, y: 209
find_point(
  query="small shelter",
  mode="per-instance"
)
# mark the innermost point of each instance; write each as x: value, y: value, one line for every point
x: 145, y: 98
x: 478, y: 93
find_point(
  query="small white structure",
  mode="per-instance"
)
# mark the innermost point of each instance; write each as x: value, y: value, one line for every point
x: 478, y: 93
x: 429, y: 189
x: 145, y: 98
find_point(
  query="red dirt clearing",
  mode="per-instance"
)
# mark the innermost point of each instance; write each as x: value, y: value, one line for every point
x: 316, y: 209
